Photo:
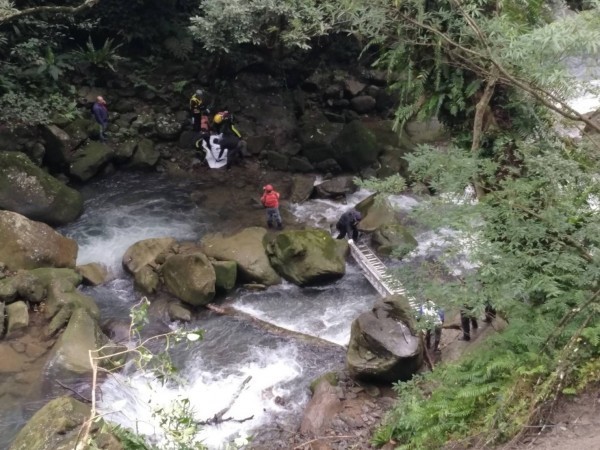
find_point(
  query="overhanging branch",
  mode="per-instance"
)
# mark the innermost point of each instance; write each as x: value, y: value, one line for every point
x: 71, y: 10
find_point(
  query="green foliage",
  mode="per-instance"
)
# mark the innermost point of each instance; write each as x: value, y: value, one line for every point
x: 179, y: 47
x: 532, y: 241
x: 179, y: 425
x: 390, y: 185
x: 23, y: 109
x: 225, y: 24
x: 129, y: 439
x: 105, y: 57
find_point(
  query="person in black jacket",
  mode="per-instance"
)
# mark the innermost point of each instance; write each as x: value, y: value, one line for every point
x: 231, y: 138
x: 347, y: 225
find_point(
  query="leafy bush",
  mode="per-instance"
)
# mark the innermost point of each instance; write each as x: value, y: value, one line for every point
x: 105, y: 57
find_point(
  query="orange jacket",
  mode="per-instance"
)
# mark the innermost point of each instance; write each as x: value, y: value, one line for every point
x: 270, y: 199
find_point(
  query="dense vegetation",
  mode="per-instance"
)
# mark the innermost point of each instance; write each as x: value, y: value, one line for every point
x: 495, y: 73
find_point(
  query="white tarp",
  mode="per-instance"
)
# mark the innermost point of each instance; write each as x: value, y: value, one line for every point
x: 212, y: 152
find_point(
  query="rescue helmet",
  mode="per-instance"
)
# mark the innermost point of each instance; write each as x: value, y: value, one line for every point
x: 199, y: 92
x: 268, y: 188
x: 218, y: 118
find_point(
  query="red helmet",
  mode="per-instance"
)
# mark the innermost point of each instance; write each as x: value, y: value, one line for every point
x: 268, y: 188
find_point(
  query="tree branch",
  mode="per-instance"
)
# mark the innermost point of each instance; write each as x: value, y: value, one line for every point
x: 71, y: 10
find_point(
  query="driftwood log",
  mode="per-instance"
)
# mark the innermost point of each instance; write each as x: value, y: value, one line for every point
x: 228, y: 310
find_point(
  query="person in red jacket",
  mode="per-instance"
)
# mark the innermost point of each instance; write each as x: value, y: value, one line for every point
x: 270, y: 200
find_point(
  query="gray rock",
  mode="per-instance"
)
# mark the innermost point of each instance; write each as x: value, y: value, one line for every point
x: 28, y: 244
x: 321, y: 410
x: 353, y: 87
x: 32, y: 192
x: 302, y: 188
x: 168, y: 127
x: 18, y: 317
x: 191, y: 278
x: 177, y: 311
x: 336, y: 187
x: 277, y: 160
x: 145, y: 156
x: 90, y: 160
x: 93, y: 274
x: 363, y: 104
x: 58, y: 147
x: 300, y: 164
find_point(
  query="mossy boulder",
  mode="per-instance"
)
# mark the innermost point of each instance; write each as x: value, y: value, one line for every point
x: 57, y: 426
x: 58, y: 147
x: 383, y: 344
x: 89, y: 160
x: 226, y: 273
x: 28, y: 245
x: 306, y: 257
x: 23, y: 285
x: 376, y: 211
x: 190, y: 277
x: 394, y: 238
x: 355, y: 148
x: 32, y: 192
x: 247, y: 250
x: 93, y: 274
x: 140, y: 259
x: 17, y: 315
x: 81, y: 129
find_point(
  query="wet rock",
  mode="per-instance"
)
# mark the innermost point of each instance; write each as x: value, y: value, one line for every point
x: 329, y: 377
x: 146, y: 252
x: 18, y: 318
x: 179, y: 312
x: 277, y: 160
x: 90, y: 160
x: 71, y: 351
x: 353, y: 87
x: 321, y: 409
x: 93, y: 274
x: 146, y: 280
x: 376, y: 211
x: 28, y: 244
x: 247, y: 250
x: 302, y: 188
x: 11, y: 361
x: 330, y: 165
x: 306, y: 257
x: 336, y: 187
x: 191, y: 278
x: 32, y: 192
x: 124, y: 151
x: 226, y: 273
x: 300, y: 164
x: 81, y: 129
x: 393, y: 237
x: 58, y: 147
x: 316, y: 136
x: 145, y: 156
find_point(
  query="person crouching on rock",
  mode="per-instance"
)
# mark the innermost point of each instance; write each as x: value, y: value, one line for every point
x: 348, y: 223
x: 231, y: 138
x: 270, y: 200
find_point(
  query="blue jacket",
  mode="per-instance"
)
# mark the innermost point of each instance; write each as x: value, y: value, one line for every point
x: 100, y: 113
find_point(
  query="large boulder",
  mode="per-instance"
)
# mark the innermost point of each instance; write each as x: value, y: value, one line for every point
x: 27, y: 244
x: 302, y: 188
x: 58, y: 147
x: 335, y: 187
x: 307, y: 257
x: 382, y: 346
x: 24, y: 285
x: 89, y: 160
x: 394, y: 238
x: 356, y: 147
x: 168, y: 127
x: 140, y: 260
x: 32, y: 192
x: 190, y: 277
x: 247, y: 250
x: 71, y: 351
x: 376, y: 211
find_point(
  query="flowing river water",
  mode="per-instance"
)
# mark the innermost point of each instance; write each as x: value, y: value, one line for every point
x: 126, y: 208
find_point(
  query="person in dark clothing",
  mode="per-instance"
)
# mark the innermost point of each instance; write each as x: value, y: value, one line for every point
x: 348, y: 223
x: 490, y: 313
x: 197, y: 110
x: 100, y: 112
x: 467, y: 321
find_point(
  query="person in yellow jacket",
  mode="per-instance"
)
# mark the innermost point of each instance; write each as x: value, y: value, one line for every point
x: 231, y: 138
x: 197, y: 109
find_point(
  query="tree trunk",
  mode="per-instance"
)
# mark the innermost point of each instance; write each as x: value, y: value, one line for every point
x: 480, y: 109
x: 271, y: 328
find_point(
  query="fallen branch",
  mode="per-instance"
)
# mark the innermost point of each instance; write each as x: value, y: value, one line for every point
x: 218, y: 417
x: 84, y: 399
